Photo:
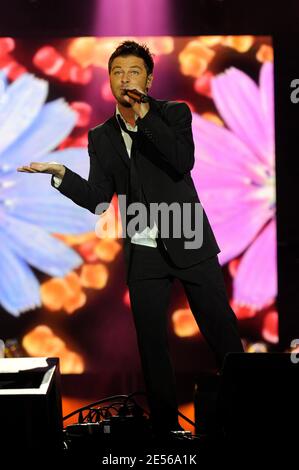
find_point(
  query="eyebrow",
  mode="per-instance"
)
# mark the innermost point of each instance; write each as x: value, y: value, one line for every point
x: 131, y: 66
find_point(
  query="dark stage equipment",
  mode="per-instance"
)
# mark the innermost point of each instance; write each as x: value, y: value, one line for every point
x: 30, y: 405
x: 119, y: 422
x: 206, y: 412
x: 258, y: 395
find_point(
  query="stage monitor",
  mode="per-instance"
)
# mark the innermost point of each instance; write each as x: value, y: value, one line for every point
x: 259, y: 397
x: 30, y: 404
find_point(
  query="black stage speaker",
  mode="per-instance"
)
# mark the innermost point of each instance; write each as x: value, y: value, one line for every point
x: 30, y: 405
x: 259, y: 398
x: 205, y: 404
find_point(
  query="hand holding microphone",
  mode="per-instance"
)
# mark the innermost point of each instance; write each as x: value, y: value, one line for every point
x: 138, y: 100
x: 136, y: 95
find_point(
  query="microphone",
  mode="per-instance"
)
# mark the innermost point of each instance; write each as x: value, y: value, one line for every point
x: 136, y: 95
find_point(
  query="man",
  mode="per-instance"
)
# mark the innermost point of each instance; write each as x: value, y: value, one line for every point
x: 146, y: 152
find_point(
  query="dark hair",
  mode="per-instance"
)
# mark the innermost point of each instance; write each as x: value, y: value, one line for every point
x: 133, y: 48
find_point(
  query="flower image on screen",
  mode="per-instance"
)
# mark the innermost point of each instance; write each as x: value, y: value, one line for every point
x: 63, y: 290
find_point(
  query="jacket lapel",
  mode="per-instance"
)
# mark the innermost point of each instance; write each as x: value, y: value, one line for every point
x: 113, y: 132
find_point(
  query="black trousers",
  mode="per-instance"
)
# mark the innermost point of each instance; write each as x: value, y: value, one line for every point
x: 150, y: 279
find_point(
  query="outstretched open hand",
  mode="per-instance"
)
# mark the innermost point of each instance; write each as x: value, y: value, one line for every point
x: 47, y: 167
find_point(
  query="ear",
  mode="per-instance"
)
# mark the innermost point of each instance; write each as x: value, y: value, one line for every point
x: 149, y: 81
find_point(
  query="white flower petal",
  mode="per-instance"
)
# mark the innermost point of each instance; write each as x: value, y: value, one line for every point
x: 55, y: 121
x: 39, y: 249
x: 19, y: 288
x: 19, y: 106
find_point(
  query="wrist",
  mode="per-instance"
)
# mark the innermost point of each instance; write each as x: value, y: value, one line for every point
x: 60, y: 171
x: 140, y: 117
x: 143, y: 111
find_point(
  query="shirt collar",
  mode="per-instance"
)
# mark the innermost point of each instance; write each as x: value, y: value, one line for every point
x: 117, y: 112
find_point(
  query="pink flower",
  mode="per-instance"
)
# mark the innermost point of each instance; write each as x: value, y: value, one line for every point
x: 235, y: 175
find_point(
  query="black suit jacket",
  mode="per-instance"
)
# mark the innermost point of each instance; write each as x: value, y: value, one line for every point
x: 165, y: 157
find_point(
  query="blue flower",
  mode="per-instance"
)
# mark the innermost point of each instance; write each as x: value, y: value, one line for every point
x: 30, y: 208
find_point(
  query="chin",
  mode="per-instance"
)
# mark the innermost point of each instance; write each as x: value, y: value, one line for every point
x: 125, y: 103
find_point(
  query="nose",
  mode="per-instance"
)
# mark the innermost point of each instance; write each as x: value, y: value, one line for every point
x: 125, y: 78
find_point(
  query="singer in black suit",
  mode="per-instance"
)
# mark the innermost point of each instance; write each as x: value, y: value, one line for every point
x: 146, y: 152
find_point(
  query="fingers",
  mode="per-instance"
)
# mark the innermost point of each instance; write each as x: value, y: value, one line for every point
x: 38, y: 166
x: 136, y: 88
x: 27, y: 169
x: 34, y: 167
x: 130, y: 100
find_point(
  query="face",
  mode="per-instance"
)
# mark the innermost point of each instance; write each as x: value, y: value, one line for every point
x: 129, y: 72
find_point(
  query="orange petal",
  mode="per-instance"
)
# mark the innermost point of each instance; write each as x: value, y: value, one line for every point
x: 184, y: 323
x: 73, y: 282
x: 239, y: 43
x: 211, y: 41
x: 159, y: 44
x: 194, y: 58
x: 94, y: 276
x: 74, y: 302
x: 54, y: 293
x: 72, y: 240
x: 82, y: 50
x: 102, y: 50
x: 71, y: 363
x: 75, y: 298
x: 106, y: 249
x: 265, y: 53
x: 41, y: 341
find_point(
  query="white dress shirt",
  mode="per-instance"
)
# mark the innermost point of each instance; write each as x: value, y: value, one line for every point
x: 148, y: 236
